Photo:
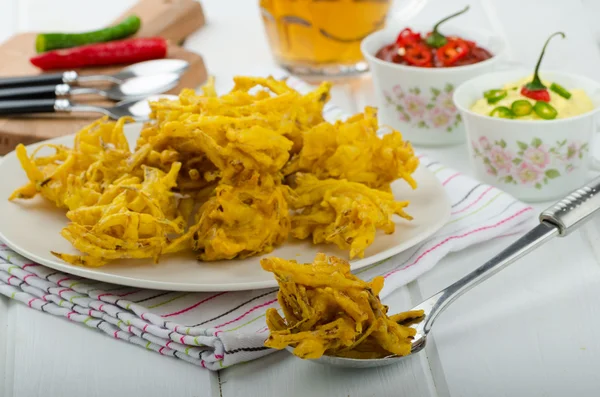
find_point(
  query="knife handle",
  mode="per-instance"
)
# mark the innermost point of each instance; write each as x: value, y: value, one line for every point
x: 575, y: 209
x: 35, y: 92
x: 42, y: 79
x: 15, y: 107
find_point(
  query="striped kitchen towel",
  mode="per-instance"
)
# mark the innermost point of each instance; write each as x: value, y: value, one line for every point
x: 216, y: 330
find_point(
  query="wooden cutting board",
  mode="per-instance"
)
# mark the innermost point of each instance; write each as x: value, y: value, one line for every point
x: 171, y: 19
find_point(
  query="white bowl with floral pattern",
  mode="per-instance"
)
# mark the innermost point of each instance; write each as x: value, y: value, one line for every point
x: 533, y: 160
x: 418, y: 101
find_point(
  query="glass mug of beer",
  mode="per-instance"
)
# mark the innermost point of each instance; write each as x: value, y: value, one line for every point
x: 322, y: 37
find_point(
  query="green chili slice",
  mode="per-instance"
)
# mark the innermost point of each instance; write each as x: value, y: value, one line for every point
x: 502, y: 112
x: 560, y: 90
x: 494, y: 96
x: 545, y: 110
x: 521, y: 107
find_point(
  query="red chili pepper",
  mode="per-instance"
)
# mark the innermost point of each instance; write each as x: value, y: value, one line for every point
x: 407, y: 36
x: 110, y: 53
x: 452, y: 51
x: 535, y: 89
x: 418, y: 55
x: 537, y: 95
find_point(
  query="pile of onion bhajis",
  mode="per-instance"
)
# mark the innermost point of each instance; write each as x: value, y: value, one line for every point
x: 227, y: 176
x: 328, y: 310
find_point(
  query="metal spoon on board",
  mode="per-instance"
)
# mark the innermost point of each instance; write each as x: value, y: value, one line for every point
x: 559, y: 220
x: 133, y: 88
x: 147, y: 68
x: 138, y: 109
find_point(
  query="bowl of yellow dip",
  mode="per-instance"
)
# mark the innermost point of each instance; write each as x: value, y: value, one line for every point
x: 566, y: 103
x: 533, y: 155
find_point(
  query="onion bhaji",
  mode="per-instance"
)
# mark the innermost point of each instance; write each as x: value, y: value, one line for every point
x: 230, y: 157
x: 344, y: 213
x: 328, y: 310
x: 248, y: 218
x: 352, y: 150
x: 132, y: 219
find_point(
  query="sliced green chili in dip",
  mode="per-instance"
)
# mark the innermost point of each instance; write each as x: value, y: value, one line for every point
x: 545, y: 110
x: 560, y: 90
x: 494, y: 96
x: 521, y: 107
x: 502, y: 112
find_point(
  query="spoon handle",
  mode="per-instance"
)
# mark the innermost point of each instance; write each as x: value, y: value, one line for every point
x: 575, y: 209
x: 558, y: 220
x: 42, y: 79
x: 35, y: 92
x: 15, y: 107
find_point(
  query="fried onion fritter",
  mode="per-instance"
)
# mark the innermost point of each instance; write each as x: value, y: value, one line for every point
x: 352, y: 150
x: 328, y: 310
x: 231, y: 157
x: 132, y: 219
x: 249, y: 218
x: 347, y: 214
x: 185, y: 130
x: 71, y: 178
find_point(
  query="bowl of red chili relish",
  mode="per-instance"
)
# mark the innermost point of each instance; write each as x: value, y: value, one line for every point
x: 416, y: 98
x: 411, y: 49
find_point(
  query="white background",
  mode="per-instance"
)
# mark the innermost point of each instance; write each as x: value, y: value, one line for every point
x: 529, y: 331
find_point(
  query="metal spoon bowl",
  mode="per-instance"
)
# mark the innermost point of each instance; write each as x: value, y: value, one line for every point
x: 559, y: 220
x: 133, y: 88
x: 138, y: 109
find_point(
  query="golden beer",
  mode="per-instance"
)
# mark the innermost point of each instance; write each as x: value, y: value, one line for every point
x: 321, y: 36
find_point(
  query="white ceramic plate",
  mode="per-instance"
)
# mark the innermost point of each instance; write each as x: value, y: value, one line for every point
x: 32, y: 228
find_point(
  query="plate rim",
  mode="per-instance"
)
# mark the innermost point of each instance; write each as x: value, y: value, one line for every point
x: 127, y: 281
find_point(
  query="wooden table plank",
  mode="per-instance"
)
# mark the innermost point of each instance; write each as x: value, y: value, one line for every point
x: 54, y: 357
x: 6, y: 347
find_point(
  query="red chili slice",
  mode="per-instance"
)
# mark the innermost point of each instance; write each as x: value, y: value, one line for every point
x: 407, y: 36
x: 418, y: 55
x: 452, y: 51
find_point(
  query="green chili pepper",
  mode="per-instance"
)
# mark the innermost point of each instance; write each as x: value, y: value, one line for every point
x: 545, y: 110
x: 503, y: 112
x: 436, y: 39
x: 52, y: 41
x: 560, y: 90
x: 494, y: 96
x: 521, y: 107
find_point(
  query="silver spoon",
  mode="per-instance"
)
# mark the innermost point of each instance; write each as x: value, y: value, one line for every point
x: 157, y: 66
x: 138, y: 109
x: 133, y: 88
x: 559, y: 220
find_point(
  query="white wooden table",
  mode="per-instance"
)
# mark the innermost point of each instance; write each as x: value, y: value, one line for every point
x: 529, y: 331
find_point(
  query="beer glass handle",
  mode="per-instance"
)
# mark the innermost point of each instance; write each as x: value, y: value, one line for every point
x: 405, y: 10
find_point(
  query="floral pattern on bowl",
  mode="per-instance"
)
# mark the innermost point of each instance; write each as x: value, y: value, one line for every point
x: 435, y: 110
x: 533, y: 164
